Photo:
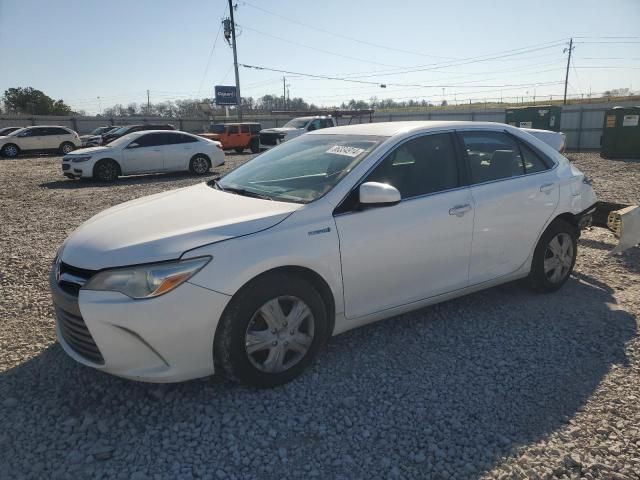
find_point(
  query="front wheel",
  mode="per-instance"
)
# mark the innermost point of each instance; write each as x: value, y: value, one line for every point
x: 106, y: 171
x: 199, y: 165
x: 271, y: 331
x: 255, y: 146
x: 554, y: 257
x: 10, y: 151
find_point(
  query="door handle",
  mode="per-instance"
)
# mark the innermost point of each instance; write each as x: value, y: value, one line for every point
x: 460, y: 210
x: 547, y: 187
x: 156, y: 150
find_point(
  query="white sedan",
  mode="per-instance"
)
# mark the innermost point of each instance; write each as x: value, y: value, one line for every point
x: 248, y: 276
x: 148, y: 151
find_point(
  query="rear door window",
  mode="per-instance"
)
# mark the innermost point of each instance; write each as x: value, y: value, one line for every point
x: 232, y: 130
x: 533, y: 163
x: 244, y: 128
x: 492, y: 156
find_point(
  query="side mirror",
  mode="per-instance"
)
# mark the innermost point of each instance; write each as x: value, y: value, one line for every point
x: 133, y: 145
x: 24, y: 134
x: 374, y: 193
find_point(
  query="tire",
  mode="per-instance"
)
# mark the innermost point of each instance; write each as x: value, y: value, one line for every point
x: 106, y: 171
x: 66, y: 147
x: 239, y: 150
x: 199, y: 164
x: 243, y: 320
x: 10, y: 150
x: 554, y: 257
x: 255, y: 146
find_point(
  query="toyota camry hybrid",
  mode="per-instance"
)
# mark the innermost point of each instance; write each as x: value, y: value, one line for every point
x: 250, y: 275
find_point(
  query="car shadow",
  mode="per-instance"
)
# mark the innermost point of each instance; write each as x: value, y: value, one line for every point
x: 68, y: 184
x: 461, y: 384
x: 630, y: 258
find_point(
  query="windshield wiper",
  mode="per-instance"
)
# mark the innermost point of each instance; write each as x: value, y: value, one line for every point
x: 245, y: 193
x: 215, y: 184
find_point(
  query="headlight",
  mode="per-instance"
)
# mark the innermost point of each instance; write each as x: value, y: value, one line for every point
x: 80, y: 159
x: 147, y: 281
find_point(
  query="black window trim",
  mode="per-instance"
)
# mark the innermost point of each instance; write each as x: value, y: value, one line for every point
x: 461, y: 176
x: 517, y: 140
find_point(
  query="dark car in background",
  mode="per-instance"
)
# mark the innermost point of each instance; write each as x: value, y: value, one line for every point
x: 112, y: 135
x: 95, y: 137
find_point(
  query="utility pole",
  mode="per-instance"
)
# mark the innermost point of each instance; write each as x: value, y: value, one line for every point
x: 148, y: 103
x: 235, y: 60
x: 566, y: 77
x: 284, y: 92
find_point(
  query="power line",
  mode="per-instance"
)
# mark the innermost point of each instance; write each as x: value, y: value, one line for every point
x: 215, y: 42
x: 328, y: 52
x: 375, y: 83
x: 340, y: 35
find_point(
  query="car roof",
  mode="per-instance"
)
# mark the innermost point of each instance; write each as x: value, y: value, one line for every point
x: 139, y: 133
x: 389, y: 129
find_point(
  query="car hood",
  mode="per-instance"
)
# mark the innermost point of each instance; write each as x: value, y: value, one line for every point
x: 88, y: 151
x: 86, y: 137
x: 163, y: 226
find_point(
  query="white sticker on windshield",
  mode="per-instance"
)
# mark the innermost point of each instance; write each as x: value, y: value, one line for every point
x: 346, y: 151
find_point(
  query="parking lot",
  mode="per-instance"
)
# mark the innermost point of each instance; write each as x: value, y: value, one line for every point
x: 503, y: 383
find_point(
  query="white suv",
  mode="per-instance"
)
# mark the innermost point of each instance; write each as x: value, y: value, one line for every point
x: 40, y: 138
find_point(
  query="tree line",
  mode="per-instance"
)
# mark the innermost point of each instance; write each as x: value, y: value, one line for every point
x: 31, y: 101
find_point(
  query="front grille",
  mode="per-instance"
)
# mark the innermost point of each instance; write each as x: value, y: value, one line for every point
x: 72, y: 278
x: 269, y: 138
x: 66, y: 166
x: 78, y: 337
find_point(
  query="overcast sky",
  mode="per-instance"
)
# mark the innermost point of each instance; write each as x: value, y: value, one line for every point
x: 79, y: 50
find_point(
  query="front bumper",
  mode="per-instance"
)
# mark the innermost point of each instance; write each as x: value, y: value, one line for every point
x: 164, y: 339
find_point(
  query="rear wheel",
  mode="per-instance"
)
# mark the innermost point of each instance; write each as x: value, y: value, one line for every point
x: 554, y: 257
x: 271, y: 331
x: 106, y: 171
x: 255, y: 146
x: 66, y: 147
x: 10, y: 150
x: 199, y: 165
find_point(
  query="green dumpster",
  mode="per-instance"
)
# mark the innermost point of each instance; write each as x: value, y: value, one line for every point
x: 544, y: 117
x: 621, y: 133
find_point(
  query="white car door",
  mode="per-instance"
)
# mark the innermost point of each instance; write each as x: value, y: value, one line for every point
x: 178, y: 151
x: 145, y: 154
x: 514, y: 194
x: 416, y: 249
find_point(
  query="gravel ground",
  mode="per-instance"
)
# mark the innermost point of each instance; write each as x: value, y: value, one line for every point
x: 504, y: 383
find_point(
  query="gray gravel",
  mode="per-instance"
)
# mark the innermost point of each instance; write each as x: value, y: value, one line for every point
x: 504, y: 383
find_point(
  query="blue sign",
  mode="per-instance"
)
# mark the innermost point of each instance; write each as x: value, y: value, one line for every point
x: 226, y: 95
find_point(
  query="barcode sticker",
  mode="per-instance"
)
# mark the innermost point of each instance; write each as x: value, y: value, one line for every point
x: 346, y: 151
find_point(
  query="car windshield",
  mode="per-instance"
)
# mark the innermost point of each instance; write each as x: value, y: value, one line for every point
x: 300, y: 170
x: 100, y: 130
x: 16, y: 132
x: 217, y: 129
x: 123, y: 140
x: 296, y: 123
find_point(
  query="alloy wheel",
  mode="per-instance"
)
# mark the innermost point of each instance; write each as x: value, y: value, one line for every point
x: 10, y: 151
x: 279, y: 334
x: 67, y: 148
x: 558, y: 257
x: 200, y: 165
